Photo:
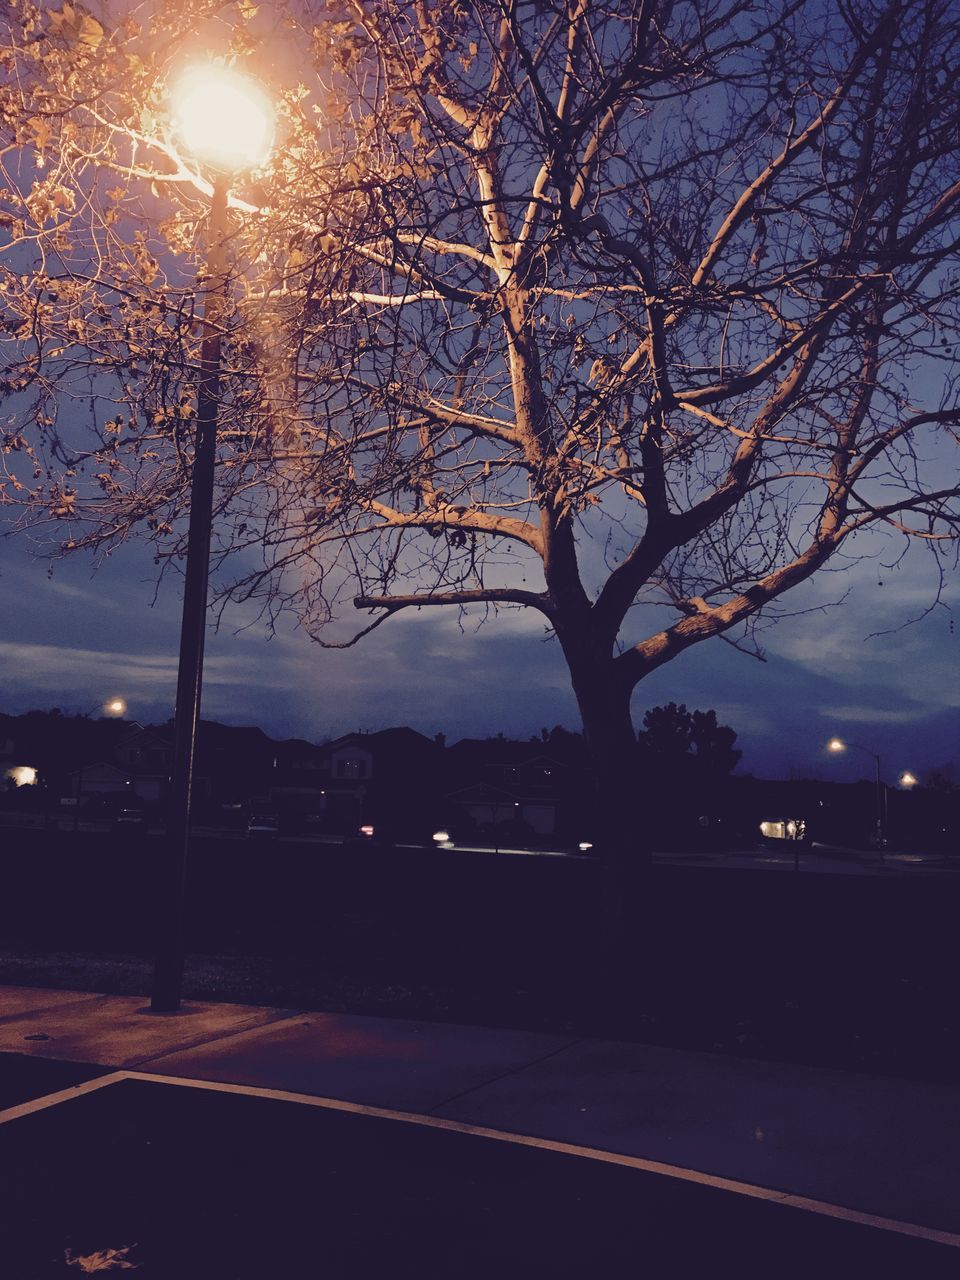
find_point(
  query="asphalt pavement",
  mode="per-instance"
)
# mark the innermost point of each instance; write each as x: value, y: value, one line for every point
x: 305, y: 1143
x: 174, y: 1180
x: 812, y: 857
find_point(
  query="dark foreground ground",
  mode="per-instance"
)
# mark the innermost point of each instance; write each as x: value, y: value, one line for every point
x: 177, y: 1181
x: 852, y: 972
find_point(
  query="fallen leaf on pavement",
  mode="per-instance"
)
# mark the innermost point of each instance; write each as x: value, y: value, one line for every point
x: 102, y: 1260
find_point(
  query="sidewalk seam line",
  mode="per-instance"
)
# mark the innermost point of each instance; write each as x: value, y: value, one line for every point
x: 84, y: 996
x: 504, y: 1075
x: 214, y: 1038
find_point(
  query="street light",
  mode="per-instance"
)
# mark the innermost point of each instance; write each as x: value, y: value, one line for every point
x: 110, y: 707
x: 837, y: 746
x: 908, y: 779
x: 224, y: 120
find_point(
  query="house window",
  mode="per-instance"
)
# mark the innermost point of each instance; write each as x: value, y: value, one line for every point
x: 350, y: 768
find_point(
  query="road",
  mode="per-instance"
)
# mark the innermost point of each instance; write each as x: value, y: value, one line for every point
x: 819, y: 859
x: 807, y: 858
x: 172, y: 1180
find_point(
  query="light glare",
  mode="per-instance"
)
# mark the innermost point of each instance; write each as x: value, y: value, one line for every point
x: 223, y: 118
x: 22, y: 775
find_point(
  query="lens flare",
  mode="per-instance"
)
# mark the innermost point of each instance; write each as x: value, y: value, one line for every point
x: 223, y: 118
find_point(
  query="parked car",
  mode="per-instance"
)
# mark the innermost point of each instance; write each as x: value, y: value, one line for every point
x: 263, y: 824
x: 130, y: 819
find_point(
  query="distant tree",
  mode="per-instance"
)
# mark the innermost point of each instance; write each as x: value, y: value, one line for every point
x: 691, y: 743
x: 942, y: 780
x: 563, y: 306
x: 713, y: 744
x: 666, y: 733
x: 560, y: 738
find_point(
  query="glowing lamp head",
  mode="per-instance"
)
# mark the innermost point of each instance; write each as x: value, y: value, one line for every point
x: 115, y: 707
x: 22, y: 775
x: 223, y: 118
x: 836, y: 745
x: 908, y: 779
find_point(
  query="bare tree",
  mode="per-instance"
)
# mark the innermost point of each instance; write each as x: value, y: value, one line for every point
x: 562, y: 306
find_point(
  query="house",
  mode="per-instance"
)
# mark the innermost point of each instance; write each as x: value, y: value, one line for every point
x: 391, y: 776
x: 234, y: 765
x: 55, y: 744
x: 481, y: 808
x: 299, y: 778
x: 146, y: 756
x: 525, y: 786
x: 100, y: 778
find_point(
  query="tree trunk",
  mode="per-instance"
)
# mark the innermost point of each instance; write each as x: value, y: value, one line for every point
x: 619, y: 833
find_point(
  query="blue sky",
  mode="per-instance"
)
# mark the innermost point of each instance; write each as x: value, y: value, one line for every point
x: 77, y: 637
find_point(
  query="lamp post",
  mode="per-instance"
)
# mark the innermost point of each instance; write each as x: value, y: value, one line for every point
x: 838, y: 745
x: 110, y: 707
x: 225, y: 122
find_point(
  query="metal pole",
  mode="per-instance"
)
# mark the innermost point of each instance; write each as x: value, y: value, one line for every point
x: 880, y: 830
x: 168, y: 970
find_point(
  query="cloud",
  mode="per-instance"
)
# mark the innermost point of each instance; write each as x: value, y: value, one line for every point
x: 423, y: 671
x: 47, y: 674
x: 870, y: 643
x: 38, y: 662
x: 67, y: 638
x: 842, y: 714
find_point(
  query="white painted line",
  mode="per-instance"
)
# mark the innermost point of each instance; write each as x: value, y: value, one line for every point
x: 564, y: 1148
x: 62, y: 1095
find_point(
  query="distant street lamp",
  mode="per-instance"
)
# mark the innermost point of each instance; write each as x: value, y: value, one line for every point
x: 837, y: 746
x: 908, y: 780
x: 111, y: 707
x: 224, y: 120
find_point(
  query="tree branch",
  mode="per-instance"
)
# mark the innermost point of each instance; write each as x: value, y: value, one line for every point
x: 492, y: 595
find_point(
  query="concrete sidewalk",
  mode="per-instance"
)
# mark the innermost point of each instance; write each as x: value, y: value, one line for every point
x: 874, y: 1145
